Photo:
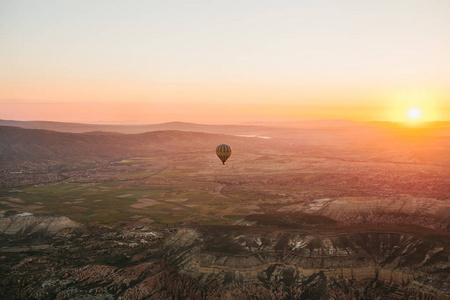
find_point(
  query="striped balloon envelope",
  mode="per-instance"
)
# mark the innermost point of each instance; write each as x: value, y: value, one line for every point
x: 223, y: 152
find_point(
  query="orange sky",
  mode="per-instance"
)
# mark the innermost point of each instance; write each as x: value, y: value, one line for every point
x: 233, y: 62
x: 212, y: 103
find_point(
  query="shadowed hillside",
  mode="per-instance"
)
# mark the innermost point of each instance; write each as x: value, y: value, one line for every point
x: 18, y: 145
x: 134, y: 129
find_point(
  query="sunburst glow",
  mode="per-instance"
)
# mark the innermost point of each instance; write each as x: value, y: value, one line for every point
x: 414, y: 113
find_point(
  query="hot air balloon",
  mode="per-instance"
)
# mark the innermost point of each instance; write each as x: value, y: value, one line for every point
x: 223, y: 152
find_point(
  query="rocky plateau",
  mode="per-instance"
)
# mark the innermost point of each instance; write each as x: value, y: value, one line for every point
x: 277, y: 256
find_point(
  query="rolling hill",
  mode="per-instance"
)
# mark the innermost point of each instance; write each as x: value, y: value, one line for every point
x: 135, y: 129
x: 18, y: 145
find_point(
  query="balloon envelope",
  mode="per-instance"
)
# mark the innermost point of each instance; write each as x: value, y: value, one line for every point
x: 223, y: 151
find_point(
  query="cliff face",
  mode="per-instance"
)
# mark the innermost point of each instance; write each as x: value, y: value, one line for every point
x: 291, y: 257
x: 404, y: 209
x: 28, y: 223
x: 298, y: 257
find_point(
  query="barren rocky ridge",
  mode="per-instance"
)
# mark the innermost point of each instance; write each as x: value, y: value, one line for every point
x: 275, y: 261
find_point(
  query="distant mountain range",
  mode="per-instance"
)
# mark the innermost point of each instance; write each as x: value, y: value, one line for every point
x: 250, y: 129
x: 42, y: 141
x: 134, y: 129
x: 36, y: 145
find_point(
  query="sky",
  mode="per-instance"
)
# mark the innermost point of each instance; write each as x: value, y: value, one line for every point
x: 227, y: 62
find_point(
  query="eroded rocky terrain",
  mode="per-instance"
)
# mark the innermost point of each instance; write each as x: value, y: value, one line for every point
x: 276, y: 256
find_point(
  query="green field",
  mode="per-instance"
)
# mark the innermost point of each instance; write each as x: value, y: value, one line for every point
x: 159, y: 196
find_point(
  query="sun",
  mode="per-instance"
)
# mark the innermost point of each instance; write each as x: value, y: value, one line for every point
x: 414, y: 113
